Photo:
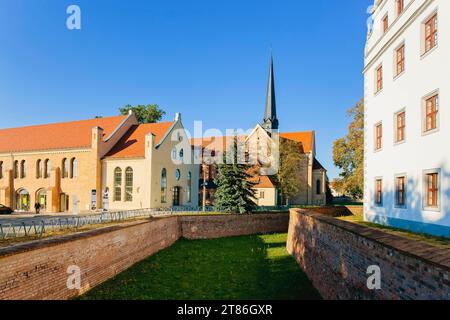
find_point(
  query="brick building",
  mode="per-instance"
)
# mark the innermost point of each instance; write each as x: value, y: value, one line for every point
x: 86, y: 165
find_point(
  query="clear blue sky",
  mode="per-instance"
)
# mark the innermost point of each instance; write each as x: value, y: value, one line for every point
x: 207, y: 59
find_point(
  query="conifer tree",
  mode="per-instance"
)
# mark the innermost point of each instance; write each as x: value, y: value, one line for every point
x: 235, y: 192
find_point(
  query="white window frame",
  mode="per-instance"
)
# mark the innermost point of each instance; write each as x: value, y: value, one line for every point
x: 425, y: 189
x: 424, y: 113
x: 424, y: 53
x: 396, y: 204
x: 396, y: 142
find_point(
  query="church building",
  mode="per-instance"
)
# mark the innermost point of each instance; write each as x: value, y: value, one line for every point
x: 313, y: 174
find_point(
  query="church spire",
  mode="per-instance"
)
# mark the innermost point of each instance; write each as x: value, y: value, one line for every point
x: 270, y: 118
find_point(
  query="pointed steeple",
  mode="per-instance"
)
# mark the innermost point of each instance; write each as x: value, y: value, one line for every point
x: 270, y: 117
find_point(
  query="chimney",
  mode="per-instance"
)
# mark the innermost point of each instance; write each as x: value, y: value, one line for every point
x: 149, y: 144
x: 97, y: 137
x: 177, y: 116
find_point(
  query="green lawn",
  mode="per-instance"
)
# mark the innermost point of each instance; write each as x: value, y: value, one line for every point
x: 249, y: 267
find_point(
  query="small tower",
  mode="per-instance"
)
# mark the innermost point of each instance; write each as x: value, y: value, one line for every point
x: 270, y: 121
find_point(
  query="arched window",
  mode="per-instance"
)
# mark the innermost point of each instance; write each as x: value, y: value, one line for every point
x: 65, y: 168
x: 189, y: 184
x: 128, y: 184
x: 163, y: 185
x: 1, y: 169
x: 181, y: 154
x: 23, y: 169
x: 318, y: 187
x: 174, y: 154
x: 47, y: 168
x: 39, y: 169
x: 16, y: 169
x: 117, y: 184
x: 73, y: 168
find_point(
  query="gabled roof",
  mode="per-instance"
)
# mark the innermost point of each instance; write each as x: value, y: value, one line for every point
x: 64, y: 135
x: 305, y: 137
x: 317, y: 165
x: 263, y: 182
x: 132, y: 144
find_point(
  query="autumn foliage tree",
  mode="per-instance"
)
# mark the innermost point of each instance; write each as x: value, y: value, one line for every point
x: 293, y: 165
x: 348, y: 154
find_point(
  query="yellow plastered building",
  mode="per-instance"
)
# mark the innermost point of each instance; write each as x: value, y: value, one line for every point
x: 110, y: 163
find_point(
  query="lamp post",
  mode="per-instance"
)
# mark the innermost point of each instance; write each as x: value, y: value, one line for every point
x: 204, y: 167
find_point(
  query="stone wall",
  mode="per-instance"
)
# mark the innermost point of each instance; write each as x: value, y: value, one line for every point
x: 38, y: 269
x: 335, y: 255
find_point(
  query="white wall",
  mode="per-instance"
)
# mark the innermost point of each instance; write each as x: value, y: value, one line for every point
x: 423, y: 75
x: 147, y: 176
x: 270, y: 197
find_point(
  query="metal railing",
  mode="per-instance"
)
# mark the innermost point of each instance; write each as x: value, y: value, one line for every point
x: 41, y: 226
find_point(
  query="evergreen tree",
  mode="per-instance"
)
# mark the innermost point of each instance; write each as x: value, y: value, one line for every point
x: 235, y: 191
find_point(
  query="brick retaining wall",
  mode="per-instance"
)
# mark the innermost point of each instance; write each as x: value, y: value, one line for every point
x: 38, y: 269
x: 219, y: 226
x: 335, y: 255
x: 340, y: 211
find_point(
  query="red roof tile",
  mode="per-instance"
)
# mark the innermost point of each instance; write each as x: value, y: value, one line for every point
x: 306, y: 138
x: 65, y: 135
x: 263, y: 182
x: 132, y: 144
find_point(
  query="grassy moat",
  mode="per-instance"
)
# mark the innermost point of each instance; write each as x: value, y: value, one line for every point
x: 248, y: 267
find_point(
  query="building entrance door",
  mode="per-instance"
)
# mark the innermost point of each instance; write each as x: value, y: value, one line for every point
x: 42, y: 199
x: 23, y: 200
x: 176, y: 196
x: 64, y: 202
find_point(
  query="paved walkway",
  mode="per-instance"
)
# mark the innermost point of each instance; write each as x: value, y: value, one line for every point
x: 28, y: 218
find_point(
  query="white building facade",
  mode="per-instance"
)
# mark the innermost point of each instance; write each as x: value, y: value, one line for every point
x: 407, y: 116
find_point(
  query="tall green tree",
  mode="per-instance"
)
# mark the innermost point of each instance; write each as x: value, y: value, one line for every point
x: 235, y: 192
x: 150, y: 113
x: 348, y: 154
x: 292, y: 172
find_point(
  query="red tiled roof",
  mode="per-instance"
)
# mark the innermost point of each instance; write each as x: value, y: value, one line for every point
x: 306, y: 138
x: 263, y: 182
x: 65, y: 135
x: 132, y: 144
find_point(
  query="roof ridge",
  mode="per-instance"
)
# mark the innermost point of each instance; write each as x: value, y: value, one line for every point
x: 153, y: 123
x: 306, y: 131
x: 64, y: 122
